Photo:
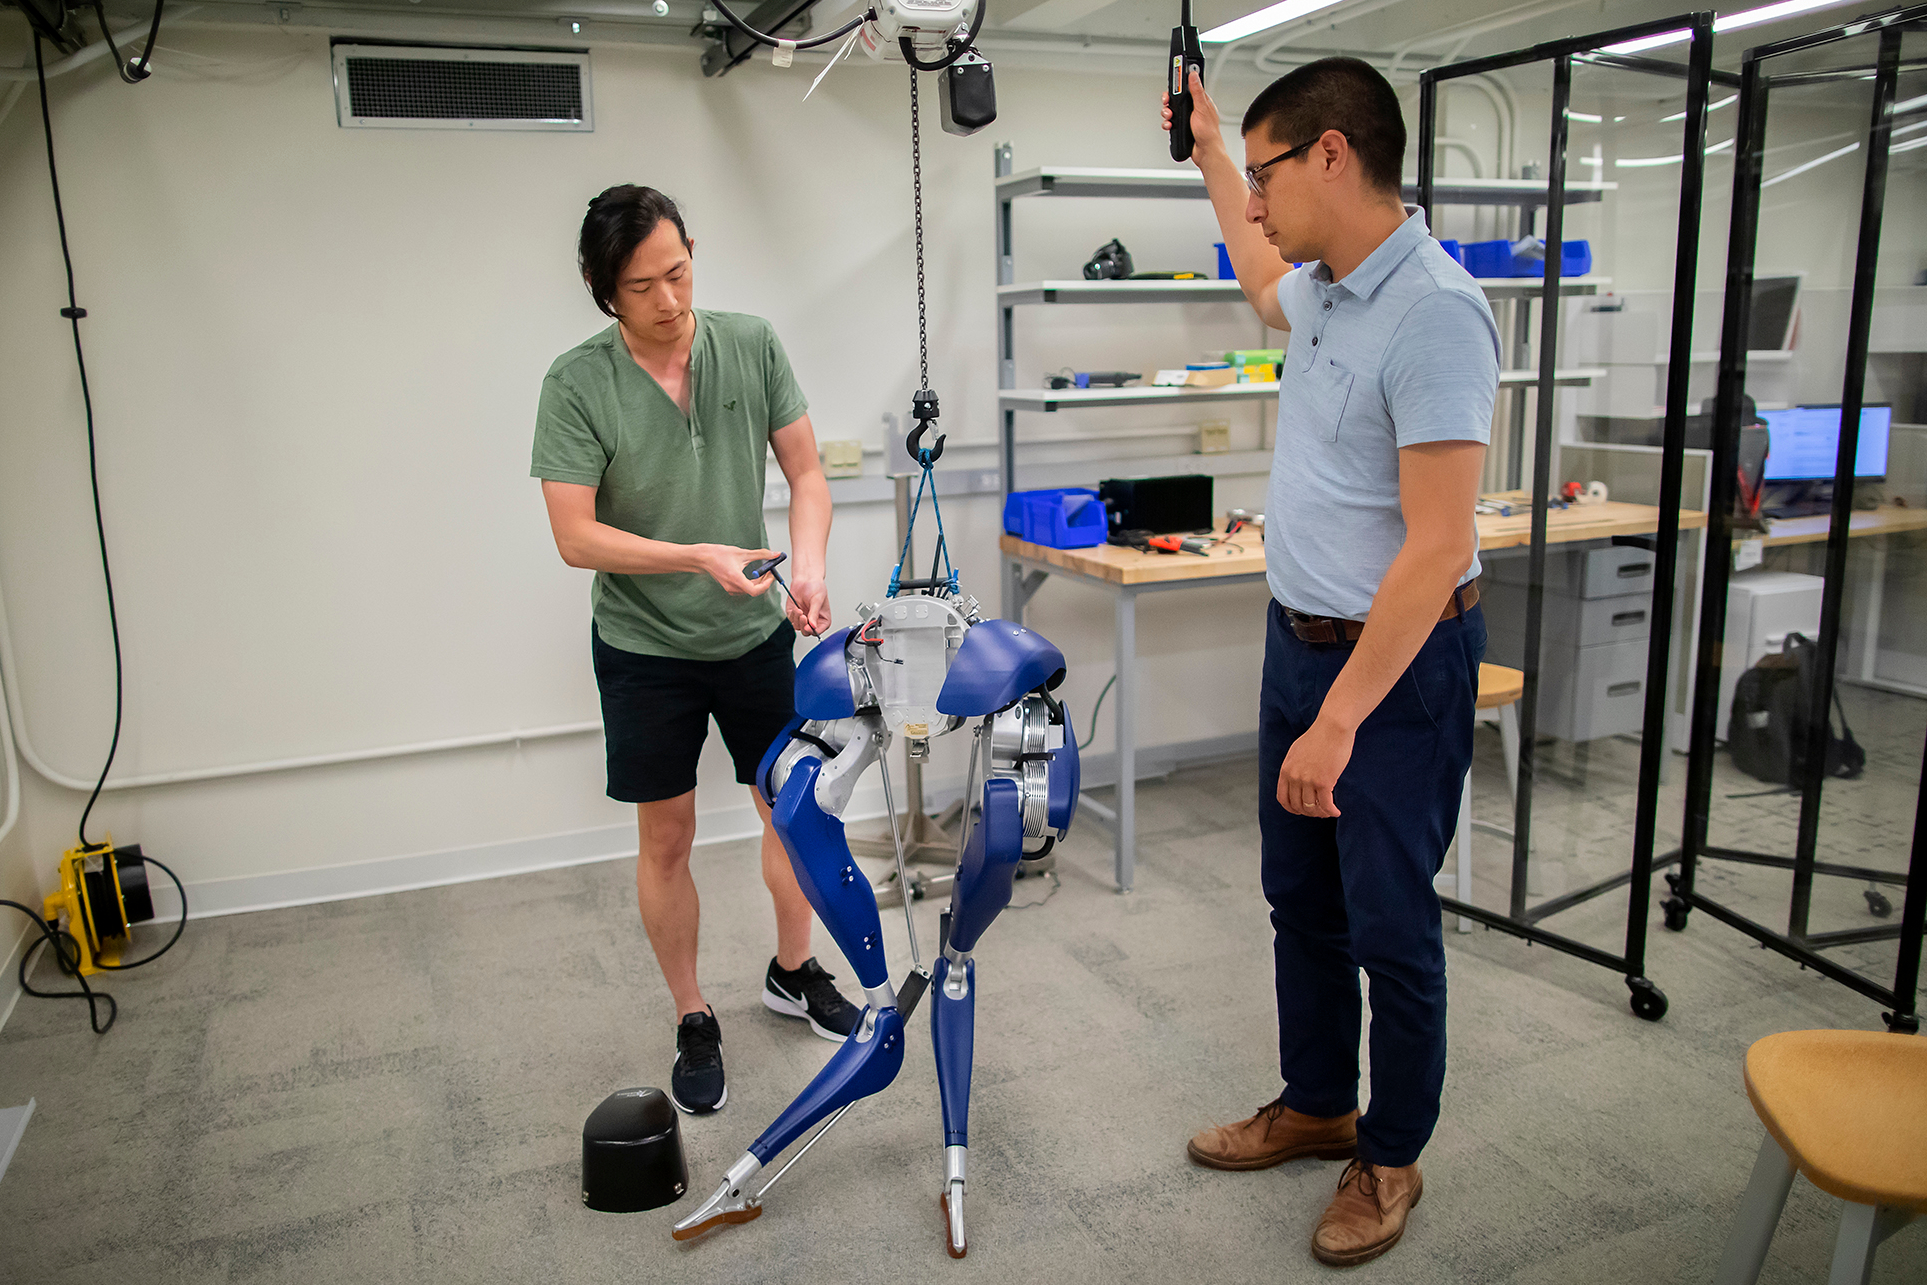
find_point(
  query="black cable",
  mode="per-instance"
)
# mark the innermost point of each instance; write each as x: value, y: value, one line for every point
x: 772, y: 41
x: 136, y: 71
x: 48, y: 933
x: 1086, y: 742
x: 73, y: 312
x: 958, y: 48
x: 179, y: 927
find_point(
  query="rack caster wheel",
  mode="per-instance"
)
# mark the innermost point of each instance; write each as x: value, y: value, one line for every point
x: 1648, y: 1001
x: 1903, y: 1023
x: 1676, y: 911
x: 1877, y: 903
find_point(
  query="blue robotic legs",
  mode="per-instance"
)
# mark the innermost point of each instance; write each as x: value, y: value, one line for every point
x: 920, y: 666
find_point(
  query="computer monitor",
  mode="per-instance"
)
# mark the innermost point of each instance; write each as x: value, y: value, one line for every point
x: 1805, y: 443
x: 1775, y: 315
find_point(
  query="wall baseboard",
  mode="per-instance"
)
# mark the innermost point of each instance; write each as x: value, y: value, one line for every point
x: 239, y: 895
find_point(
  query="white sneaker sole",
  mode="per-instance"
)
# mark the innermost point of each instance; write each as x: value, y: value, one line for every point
x: 690, y: 1111
x: 797, y: 1008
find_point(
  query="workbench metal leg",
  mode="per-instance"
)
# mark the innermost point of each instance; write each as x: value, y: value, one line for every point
x: 1126, y: 713
x: 1509, y: 745
x: 1462, y: 885
x: 1870, y: 609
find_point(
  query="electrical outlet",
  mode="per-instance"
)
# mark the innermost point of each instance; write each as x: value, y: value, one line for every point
x: 841, y: 458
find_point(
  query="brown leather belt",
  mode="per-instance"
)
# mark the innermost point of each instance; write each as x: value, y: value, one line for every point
x: 1331, y: 629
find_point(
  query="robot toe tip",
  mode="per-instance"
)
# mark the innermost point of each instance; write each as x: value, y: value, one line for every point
x: 727, y: 1216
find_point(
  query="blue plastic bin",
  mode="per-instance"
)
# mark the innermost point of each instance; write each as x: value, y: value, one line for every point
x: 1069, y: 518
x: 1452, y: 248
x: 1495, y: 259
x: 1224, y: 263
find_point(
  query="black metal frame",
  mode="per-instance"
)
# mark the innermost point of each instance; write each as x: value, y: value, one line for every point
x: 1797, y: 943
x: 1648, y: 1001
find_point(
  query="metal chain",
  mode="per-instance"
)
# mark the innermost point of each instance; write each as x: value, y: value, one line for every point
x: 916, y: 176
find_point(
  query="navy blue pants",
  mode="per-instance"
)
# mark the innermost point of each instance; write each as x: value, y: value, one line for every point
x: 1355, y: 891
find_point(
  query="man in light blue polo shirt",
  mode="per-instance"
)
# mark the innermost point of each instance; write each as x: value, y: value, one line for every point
x: 1374, y: 636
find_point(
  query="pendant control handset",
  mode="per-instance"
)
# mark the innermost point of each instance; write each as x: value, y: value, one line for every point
x: 1187, y: 55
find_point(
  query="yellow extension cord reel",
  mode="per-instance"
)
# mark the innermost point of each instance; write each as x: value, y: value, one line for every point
x: 103, y: 892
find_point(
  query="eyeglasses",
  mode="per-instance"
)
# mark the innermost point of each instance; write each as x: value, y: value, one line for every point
x: 1255, y: 174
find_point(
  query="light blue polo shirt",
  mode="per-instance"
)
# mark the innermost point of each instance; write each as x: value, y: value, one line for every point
x: 1403, y: 350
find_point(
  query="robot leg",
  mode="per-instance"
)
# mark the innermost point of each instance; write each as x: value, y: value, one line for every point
x: 953, y: 1021
x: 871, y: 1057
x: 983, y: 886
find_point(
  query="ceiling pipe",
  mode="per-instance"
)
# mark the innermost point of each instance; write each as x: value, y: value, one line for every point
x: 1480, y: 27
x: 82, y: 57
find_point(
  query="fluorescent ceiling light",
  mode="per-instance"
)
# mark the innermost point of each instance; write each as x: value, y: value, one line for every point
x: 1908, y: 129
x: 1908, y: 146
x: 1648, y: 162
x: 1909, y: 105
x: 1815, y: 163
x: 1587, y: 117
x: 1728, y: 101
x: 1731, y: 22
x: 1270, y: 16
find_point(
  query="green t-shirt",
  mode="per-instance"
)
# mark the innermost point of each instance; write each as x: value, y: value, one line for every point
x: 603, y: 421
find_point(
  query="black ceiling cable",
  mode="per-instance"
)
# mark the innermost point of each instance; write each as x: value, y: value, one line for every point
x: 762, y: 38
x: 61, y: 939
x: 133, y: 71
x: 73, y: 312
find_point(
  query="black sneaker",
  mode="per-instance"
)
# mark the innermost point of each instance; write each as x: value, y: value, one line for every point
x: 696, y: 1082
x: 808, y: 994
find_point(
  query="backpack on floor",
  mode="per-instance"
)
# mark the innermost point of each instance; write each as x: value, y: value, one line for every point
x: 1767, y: 733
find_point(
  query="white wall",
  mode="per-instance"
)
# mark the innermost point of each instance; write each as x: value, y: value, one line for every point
x: 315, y: 356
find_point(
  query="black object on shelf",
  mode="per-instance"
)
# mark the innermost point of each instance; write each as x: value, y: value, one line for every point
x: 1112, y: 262
x: 1159, y: 504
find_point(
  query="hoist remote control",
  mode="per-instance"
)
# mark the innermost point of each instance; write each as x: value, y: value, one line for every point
x: 1186, y: 56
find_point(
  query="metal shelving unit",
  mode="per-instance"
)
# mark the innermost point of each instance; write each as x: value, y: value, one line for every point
x: 1176, y: 184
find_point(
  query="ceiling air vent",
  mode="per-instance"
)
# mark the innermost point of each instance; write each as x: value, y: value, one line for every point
x: 438, y: 87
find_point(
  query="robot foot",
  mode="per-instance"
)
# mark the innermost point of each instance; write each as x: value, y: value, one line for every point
x: 951, y: 1203
x: 731, y: 1203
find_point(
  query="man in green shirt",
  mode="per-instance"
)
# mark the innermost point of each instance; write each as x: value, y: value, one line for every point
x: 650, y: 440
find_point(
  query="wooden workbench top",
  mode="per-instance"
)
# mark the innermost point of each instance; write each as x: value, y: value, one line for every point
x: 1577, y: 522
x: 1245, y: 554
x: 1885, y: 520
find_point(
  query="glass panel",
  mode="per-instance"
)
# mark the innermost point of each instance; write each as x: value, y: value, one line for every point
x: 1620, y: 226
x: 1868, y: 819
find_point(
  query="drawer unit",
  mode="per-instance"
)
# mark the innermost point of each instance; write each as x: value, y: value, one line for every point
x: 1595, y: 633
x: 1568, y: 622
x: 1588, y: 573
x: 1608, y: 692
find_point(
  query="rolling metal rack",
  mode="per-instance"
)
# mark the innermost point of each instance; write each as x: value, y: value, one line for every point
x: 1519, y: 918
x: 1756, y: 82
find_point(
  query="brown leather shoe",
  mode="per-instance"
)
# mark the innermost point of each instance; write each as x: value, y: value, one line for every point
x: 1367, y: 1216
x: 1276, y: 1134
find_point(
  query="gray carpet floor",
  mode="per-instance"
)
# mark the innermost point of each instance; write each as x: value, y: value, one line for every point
x: 393, y: 1089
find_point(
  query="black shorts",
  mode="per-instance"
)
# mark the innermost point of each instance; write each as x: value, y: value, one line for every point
x: 656, y: 712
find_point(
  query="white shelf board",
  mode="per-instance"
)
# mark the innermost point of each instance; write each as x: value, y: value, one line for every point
x: 1055, y: 399
x: 1081, y: 180
x: 1209, y: 291
x: 1516, y: 287
x: 1204, y: 291
x: 1051, y: 399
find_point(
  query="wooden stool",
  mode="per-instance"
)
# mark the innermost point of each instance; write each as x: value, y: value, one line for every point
x: 1849, y: 1110
x: 1500, y: 689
